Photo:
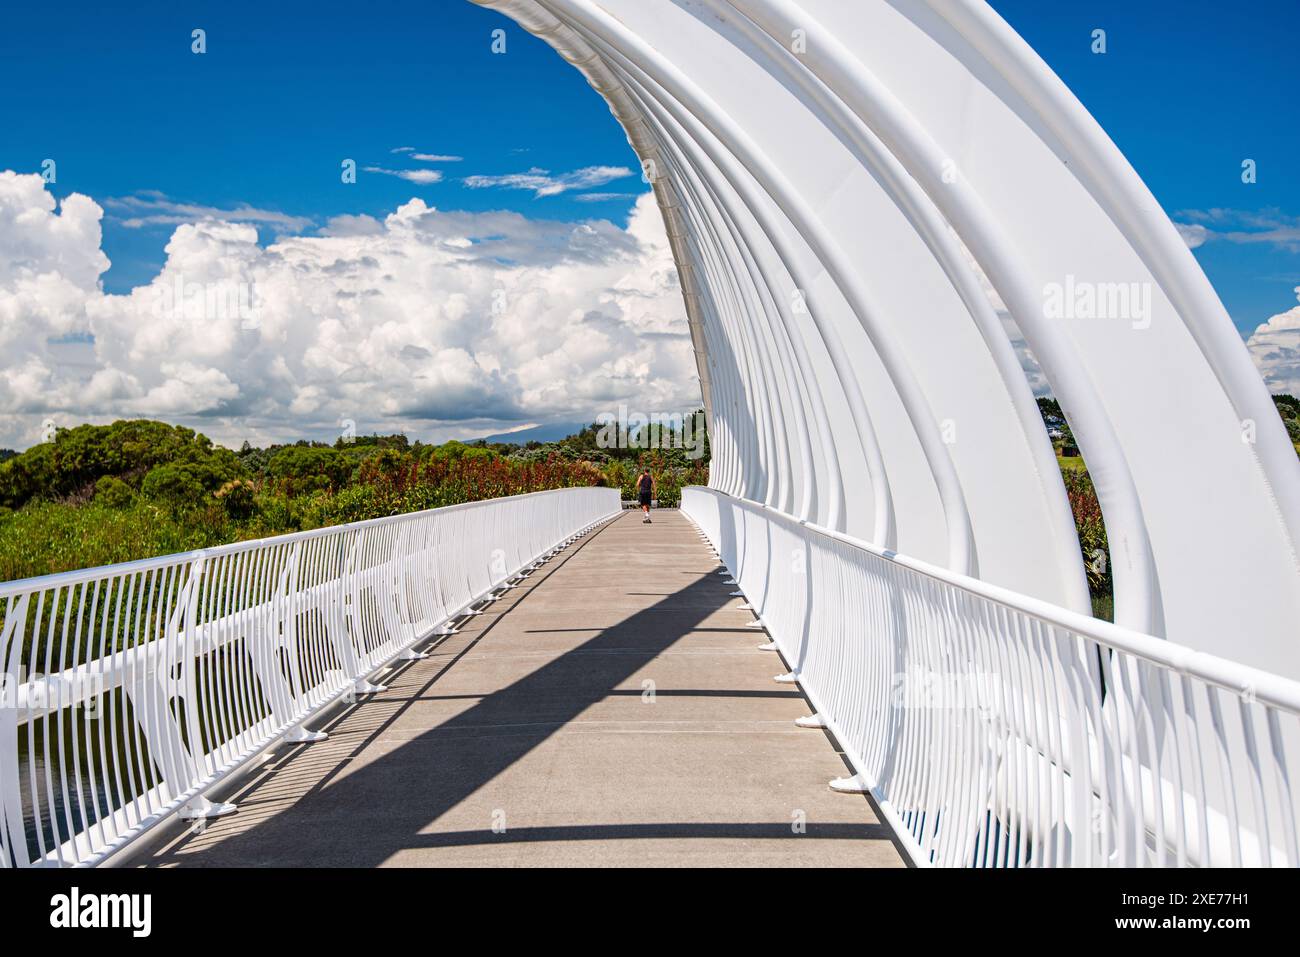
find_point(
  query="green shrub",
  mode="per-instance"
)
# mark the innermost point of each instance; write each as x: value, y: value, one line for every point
x: 1093, y: 545
x: 300, y: 469
x: 173, y: 486
x: 274, y: 515
x: 238, y: 497
x: 73, y: 503
x: 355, y: 503
x: 79, y: 457
x: 49, y: 537
x: 112, y: 492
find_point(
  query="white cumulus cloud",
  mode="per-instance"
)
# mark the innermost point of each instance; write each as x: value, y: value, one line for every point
x: 439, y: 323
x: 1275, y: 347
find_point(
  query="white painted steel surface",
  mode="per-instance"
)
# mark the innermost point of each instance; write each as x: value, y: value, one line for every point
x: 870, y: 202
x: 995, y: 730
x: 131, y: 690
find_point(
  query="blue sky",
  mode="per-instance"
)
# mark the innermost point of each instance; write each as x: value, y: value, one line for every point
x: 1188, y: 90
x: 287, y: 90
x: 256, y: 129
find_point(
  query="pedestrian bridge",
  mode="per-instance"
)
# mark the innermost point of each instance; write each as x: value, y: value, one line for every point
x: 877, y: 210
x: 613, y: 709
x: 544, y: 679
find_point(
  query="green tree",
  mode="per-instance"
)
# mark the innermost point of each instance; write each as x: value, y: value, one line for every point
x: 173, y: 486
x: 1288, y: 406
x: 238, y: 497
x: 300, y: 469
x: 112, y: 492
x: 128, y: 450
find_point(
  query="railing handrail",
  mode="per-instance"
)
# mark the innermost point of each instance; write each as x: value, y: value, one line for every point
x: 1266, y: 686
x: 78, y: 575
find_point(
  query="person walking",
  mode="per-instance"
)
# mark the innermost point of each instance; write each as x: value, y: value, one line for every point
x: 645, y: 487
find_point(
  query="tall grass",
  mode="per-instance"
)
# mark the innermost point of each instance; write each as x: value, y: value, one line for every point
x: 47, y: 537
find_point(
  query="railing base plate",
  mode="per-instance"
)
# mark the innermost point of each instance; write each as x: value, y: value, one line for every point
x: 201, y: 809
x: 301, y: 735
x: 853, y: 785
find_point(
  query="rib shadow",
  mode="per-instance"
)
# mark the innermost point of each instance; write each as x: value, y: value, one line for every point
x: 738, y: 830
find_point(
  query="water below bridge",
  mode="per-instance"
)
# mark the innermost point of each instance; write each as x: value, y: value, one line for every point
x: 612, y: 710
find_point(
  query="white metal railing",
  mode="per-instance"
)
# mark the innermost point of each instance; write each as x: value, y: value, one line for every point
x: 995, y: 730
x: 129, y: 691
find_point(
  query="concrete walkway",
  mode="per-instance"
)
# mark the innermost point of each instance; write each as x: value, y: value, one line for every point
x: 615, y: 710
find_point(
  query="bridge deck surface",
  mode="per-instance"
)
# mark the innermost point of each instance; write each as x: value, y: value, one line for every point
x: 532, y: 738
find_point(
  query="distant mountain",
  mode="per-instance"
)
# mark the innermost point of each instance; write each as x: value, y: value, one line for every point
x: 539, y: 433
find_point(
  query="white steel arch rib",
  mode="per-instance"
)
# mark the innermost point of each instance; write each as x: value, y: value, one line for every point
x: 839, y: 182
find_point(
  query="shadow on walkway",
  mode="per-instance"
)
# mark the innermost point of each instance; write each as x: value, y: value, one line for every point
x: 396, y: 779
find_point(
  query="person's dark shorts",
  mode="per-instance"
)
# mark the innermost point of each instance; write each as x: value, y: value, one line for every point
x: 645, y: 498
